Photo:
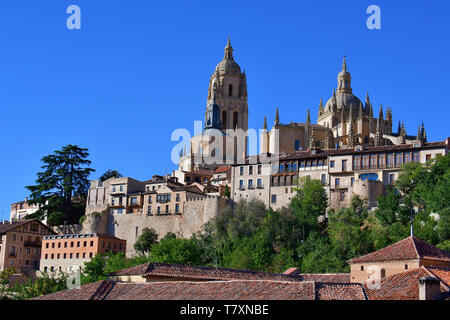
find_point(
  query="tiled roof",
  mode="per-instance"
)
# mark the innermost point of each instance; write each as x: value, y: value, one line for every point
x: 212, y: 290
x: 327, y: 277
x: 10, y: 226
x: 401, y: 286
x: 202, y: 273
x: 222, y: 169
x: 407, y: 249
x: 441, y: 273
x: 334, y: 291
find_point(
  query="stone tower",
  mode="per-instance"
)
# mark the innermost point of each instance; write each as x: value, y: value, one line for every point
x: 231, y: 92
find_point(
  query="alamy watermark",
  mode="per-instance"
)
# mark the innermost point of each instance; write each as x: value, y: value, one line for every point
x: 74, y: 20
x: 374, y: 20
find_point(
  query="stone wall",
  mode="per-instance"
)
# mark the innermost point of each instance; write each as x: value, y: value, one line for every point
x: 196, y: 213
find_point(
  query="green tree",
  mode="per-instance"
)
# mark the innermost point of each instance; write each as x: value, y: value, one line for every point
x: 178, y: 251
x: 146, y: 240
x: 62, y: 185
x: 110, y: 174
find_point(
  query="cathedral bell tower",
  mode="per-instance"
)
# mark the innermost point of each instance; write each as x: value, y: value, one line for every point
x: 231, y: 92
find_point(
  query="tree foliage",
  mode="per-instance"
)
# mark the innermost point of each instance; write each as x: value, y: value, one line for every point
x: 146, y: 240
x: 61, y: 187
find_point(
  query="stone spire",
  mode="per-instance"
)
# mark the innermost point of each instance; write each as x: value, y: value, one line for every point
x: 328, y: 139
x: 424, y: 134
x: 419, y: 134
x: 403, y: 133
x: 265, y: 123
x: 361, y: 111
x: 378, y: 134
x: 320, y: 106
x: 380, y: 115
x: 350, y: 129
x: 277, y: 118
x: 312, y: 141
x: 228, y: 51
x: 344, y: 79
x: 367, y: 101
x: 399, y: 130
x: 308, y: 117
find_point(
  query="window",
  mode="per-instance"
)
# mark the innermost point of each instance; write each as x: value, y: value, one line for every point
x: 250, y: 170
x: 13, y: 237
x: 235, y: 119
x: 84, y: 255
x: 71, y: 256
x: 177, y: 197
x: 167, y: 208
x: 46, y: 256
x: 382, y: 161
x: 274, y: 198
x: 365, y: 162
x: 177, y: 208
x: 297, y: 145
x: 53, y: 245
x: 352, y: 181
x: 390, y: 160
x: 406, y: 267
x: 90, y: 254
x: 416, y: 156
x: 46, y: 245
x: 241, y: 171
x: 71, y: 244
x: 85, y: 244
x: 230, y: 90
x: 65, y: 244
x: 362, y: 268
x: 158, y: 210
x: 78, y: 244
x: 149, y: 210
x: 150, y: 199
x: 259, y: 169
x: 398, y: 159
x: 92, y: 243
x: 302, y: 164
x: 391, y: 178
x: 78, y: 255
x: 383, y: 273
x: 373, y: 161
x: 282, y: 167
x: 294, y: 166
x: 356, y: 162
x: 259, y: 183
x: 332, y: 164
x: 323, y: 178
x: 250, y: 183
x: 344, y: 165
x: 64, y: 255
x: 241, y: 184
x: 428, y: 157
x: 337, y: 182
x: 59, y: 244
x: 134, y: 200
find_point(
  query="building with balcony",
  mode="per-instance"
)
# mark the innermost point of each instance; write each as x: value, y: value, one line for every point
x: 70, y: 251
x: 20, y: 245
x: 21, y: 209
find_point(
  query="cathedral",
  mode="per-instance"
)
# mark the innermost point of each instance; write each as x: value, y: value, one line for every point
x: 344, y: 122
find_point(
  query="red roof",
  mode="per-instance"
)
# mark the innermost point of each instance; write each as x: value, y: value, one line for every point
x: 327, y: 277
x: 159, y: 270
x: 222, y: 169
x: 407, y: 249
x: 211, y: 290
x: 404, y: 285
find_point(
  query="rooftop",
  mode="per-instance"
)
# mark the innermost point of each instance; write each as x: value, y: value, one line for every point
x: 407, y: 249
x: 212, y: 290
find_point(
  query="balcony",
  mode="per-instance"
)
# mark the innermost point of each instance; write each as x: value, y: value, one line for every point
x: 36, y: 244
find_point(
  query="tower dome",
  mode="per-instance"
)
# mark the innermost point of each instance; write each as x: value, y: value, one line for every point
x: 228, y: 66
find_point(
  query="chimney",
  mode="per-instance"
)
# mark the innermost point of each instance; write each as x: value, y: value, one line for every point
x: 429, y: 288
x: 292, y: 272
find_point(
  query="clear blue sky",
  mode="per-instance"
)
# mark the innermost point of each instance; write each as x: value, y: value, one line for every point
x: 139, y: 69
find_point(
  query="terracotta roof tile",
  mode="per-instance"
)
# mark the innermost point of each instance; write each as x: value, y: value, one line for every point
x: 327, y: 277
x: 401, y: 286
x: 407, y: 249
x: 211, y: 290
x: 204, y: 273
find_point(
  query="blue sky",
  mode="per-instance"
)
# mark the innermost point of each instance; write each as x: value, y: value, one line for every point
x: 137, y: 70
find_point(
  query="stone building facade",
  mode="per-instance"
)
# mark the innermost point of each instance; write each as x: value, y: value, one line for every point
x: 20, y: 245
x: 65, y: 253
x: 362, y: 171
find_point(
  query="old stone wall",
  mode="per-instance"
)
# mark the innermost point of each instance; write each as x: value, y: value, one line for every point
x: 129, y: 226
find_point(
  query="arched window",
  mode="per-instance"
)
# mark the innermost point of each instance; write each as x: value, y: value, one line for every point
x: 224, y: 119
x: 297, y: 145
x: 383, y: 273
x: 230, y: 90
x: 235, y: 119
